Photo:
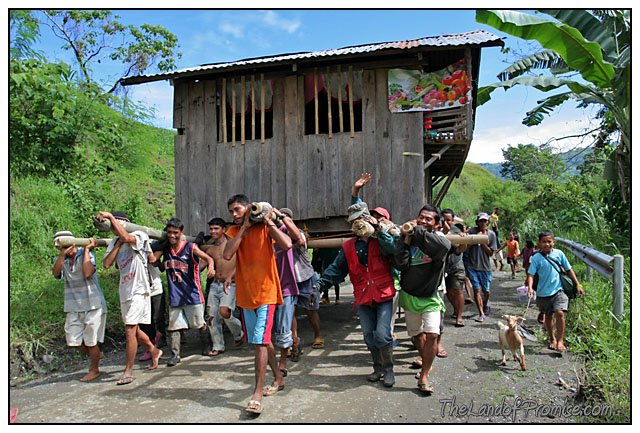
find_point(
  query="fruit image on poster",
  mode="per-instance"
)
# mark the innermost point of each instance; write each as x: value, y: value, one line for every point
x: 414, y: 90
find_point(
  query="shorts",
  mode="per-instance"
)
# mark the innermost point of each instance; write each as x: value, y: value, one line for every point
x: 86, y: 327
x: 216, y: 290
x: 309, y: 297
x: 455, y: 281
x: 417, y: 324
x: 559, y: 301
x: 512, y: 261
x: 480, y: 279
x: 137, y: 310
x: 283, y: 319
x: 186, y: 316
x: 257, y: 324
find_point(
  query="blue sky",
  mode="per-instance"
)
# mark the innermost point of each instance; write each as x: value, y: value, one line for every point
x: 210, y: 36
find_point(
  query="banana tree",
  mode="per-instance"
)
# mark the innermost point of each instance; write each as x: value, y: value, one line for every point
x: 587, y: 57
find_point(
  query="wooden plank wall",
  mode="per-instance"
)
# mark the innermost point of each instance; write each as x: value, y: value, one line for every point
x: 311, y: 174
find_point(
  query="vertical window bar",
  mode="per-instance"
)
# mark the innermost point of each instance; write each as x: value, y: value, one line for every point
x: 350, y: 83
x: 233, y: 111
x: 340, y: 114
x: 262, y: 96
x: 224, y: 110
x: 253, y: 107
x: 315, y: 99
x: 243, y: 108
x: 327, y: 87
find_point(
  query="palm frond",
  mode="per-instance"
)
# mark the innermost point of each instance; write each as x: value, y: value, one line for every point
x: 546, y: 59
x: 544, y: 108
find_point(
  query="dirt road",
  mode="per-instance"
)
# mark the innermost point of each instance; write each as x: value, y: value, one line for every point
x: 327, y: 385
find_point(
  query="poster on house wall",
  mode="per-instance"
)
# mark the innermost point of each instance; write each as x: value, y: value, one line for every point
x: 414, y: 90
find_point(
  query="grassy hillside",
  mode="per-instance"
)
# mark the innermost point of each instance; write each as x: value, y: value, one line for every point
x: 465, y: 196
x: 142, y: 186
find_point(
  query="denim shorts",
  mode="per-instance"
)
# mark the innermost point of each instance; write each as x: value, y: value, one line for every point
x: 283, y: 319
x: 480, y: 279
x: 309, y: 297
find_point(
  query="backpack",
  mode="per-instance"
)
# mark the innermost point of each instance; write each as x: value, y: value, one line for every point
x: 568, y: 285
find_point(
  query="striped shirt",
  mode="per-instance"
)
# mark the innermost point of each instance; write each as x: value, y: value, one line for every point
x: 80, y: 293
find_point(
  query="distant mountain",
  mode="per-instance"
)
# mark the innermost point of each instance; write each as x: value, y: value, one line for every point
x: 572, y: 158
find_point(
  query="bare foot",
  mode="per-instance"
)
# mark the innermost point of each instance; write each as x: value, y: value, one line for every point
x: 155, y: 357
x: 553, y: 346
x: 90, y: 376
x: 561, y: 347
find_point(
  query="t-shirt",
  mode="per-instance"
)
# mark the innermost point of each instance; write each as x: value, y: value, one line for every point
x: 420, y: 305
x: 286, y: 271
x: 156, y: 280
x: 183, y: 276
x: 455, y: 266
x: 301, y: 264
x: 512, y: 248
x: 479, y: 260
x: 132, y: 261
x: 81, y: 294
x: 257, y: 281
x: 548, y: 276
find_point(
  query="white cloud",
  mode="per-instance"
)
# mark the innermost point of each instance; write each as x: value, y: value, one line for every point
x: 235, y: 30
x: 272, y: 19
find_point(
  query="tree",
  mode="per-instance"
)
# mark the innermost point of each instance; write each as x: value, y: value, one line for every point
x: 528, y: 164
x: 94, y: 36
x: 587, y: 53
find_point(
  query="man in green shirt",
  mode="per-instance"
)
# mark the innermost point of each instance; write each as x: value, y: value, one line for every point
x: 421, y: 261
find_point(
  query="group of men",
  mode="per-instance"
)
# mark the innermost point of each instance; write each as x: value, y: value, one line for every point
x: 262, y: 267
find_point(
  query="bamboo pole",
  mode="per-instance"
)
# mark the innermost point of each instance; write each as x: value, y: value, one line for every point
x: 327, y: 86
x: 105, y: 226
x: 340, y: 114
x: 454, y: 239
x: 262, y: 97
x: 233, y: 111
x: 243, y: 108
x: 350, y: 84
x: 224, y: 110
x: 67, y: 241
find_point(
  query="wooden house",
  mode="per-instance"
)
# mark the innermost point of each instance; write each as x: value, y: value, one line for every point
x: 298, y: 129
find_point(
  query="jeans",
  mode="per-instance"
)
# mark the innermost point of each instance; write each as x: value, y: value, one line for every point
x: 375, y: 320
x: 218, y: 298
x: 283, y: 320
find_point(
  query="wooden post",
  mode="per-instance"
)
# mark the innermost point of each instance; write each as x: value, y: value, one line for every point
x: 340, y: 115
x: 327, y: 86
x: 262, y: 96
x: 233, y: 111
x: 469, y: 111
x: 243, y: 108
x: 224, y: 110
x: 315, y: 98
x: 350, y: 84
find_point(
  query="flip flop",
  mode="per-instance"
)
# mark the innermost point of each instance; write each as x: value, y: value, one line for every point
x: 459, y: 324
x: 213, y: 353
x: 442, y: 354
x: 318, y: 343
x: 254, y: 407
x: 271, y: 390
x: 480, y: 318
x: 425, y: 388
x: 416, y: 363
x: 125, y: 380
x: 284, y: 372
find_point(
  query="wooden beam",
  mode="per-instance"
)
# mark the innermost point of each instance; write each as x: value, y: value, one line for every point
x: 315, y: 99
x: 340, y: 115
x: 243, y: 108
x: 351, y: 119
x: 262, y: 106
x: 253, y: 107
x: 436, y: 156
x: 444, y: 189
x: 327, y: 87
x: 224, y: 110
x: 233, y: 111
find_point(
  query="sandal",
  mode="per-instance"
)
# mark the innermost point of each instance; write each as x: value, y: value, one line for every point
x: 318, y: 343
x: 296, y: 352
x: 284, y: 371
x: 125, y: 380
x: 459, y: 324
x: 272, y: 390
x: 442, y: 354
x: 254, y: 407
x: 425, y: 388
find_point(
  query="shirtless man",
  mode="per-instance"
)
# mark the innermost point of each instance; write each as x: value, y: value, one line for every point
x: 221, y: 301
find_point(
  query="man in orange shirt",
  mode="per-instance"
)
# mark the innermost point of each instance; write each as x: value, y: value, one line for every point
x: 257, y: 287
x: 513, y: 251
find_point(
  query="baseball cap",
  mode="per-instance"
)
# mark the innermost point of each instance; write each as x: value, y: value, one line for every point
x: 357, y: 210
x: 288, y: 212
x: 482, y: 216
x: 120, y: 216
x: 382, y: 211
x: 62, y: 233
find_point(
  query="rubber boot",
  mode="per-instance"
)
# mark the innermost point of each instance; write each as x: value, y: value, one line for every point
x: 205, y: 340
x: 175, y: 348
x: 387, y: 366
x: 377, y: 374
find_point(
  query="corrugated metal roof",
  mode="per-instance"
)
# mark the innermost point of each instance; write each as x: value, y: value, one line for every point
x: 477, y: 37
